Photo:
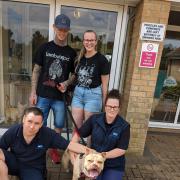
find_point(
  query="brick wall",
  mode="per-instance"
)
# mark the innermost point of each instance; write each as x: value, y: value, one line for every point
x: 140, y: 82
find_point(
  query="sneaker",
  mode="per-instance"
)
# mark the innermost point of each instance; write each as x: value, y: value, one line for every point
x: 54, y: 155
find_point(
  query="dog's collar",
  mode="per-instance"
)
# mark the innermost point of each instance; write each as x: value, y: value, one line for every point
x: 81, y: 155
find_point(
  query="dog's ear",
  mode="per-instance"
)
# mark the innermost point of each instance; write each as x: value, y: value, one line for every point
x: 103, y: 154
x: 87, y: 151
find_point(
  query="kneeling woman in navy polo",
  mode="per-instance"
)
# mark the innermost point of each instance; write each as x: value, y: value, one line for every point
x: 110, y: 133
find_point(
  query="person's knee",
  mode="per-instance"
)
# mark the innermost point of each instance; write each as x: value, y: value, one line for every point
x: 59, y: 118
x: 31, y: 174
x: 2, y: 155
x: 3, y: 166
x: 44, y: 105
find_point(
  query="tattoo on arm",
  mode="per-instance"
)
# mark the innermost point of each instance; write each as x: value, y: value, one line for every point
x: 70, y: 80
x: 35, y: 77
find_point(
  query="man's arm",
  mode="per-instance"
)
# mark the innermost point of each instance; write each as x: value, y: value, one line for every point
x: 105, y: 80
x: 34, y: 81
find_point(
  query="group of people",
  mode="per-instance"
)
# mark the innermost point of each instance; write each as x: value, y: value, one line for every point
x: 56, y: 66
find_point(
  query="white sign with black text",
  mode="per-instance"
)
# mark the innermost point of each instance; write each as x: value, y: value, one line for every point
x: 152, y: 31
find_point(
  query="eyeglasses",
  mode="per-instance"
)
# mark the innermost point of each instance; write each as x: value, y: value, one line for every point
x: 89, y: 40
x: 114, y: 108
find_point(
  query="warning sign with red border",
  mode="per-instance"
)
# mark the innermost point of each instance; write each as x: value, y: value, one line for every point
x: 148, y: 55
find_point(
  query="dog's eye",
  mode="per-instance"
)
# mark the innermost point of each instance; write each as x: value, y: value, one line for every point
x: 100, y: 162
x: 90, y: 161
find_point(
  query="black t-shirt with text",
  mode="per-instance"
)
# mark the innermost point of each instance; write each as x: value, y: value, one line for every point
x: 57, y: 62
x: 89, y: 70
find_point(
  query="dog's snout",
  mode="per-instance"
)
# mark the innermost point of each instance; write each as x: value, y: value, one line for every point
x: 94, y: 165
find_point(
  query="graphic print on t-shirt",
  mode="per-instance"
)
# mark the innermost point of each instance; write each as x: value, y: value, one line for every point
x: 54, y: 69
x: 85, y: 74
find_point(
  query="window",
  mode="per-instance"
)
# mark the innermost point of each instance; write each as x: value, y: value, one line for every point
x: 25, y: 26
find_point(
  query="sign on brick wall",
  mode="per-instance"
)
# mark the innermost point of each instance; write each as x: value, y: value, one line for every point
x: 148, y: 55
x: 152, y: 31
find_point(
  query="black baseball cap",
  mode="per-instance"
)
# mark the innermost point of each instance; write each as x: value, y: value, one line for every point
x: 62, y: 21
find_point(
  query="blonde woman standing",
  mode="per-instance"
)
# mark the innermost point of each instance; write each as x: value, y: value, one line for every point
x: 92, y: 75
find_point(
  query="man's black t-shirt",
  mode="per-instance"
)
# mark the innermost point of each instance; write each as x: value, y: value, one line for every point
x: 56, y: 62
x: 89, y: 70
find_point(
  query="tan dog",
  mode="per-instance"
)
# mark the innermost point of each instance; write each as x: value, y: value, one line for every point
x: 13, y: 114
x: 90, y: 164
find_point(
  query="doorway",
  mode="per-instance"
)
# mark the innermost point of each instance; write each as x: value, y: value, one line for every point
x: 107, y: 20
x: 26, y: 24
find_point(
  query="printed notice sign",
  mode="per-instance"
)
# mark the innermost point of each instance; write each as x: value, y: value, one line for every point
x: 152, y: 31
x: 148, y: 55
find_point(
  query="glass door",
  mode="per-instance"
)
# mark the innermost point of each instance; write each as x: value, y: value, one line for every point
x: 24, y: 27
x: 104, y: 19
x: 26, y: 24
x: 102, y: 22
x: 177, y: 117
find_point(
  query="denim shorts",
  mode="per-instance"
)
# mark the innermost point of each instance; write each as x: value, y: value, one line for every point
x: 58, y: 108
x: 89, y: 99
x: 24, y: 172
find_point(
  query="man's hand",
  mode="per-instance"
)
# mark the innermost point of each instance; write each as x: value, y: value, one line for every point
x: 33, y: 99
x: 62, y: 87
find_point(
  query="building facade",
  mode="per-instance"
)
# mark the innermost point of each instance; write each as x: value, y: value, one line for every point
x: 140, y: 38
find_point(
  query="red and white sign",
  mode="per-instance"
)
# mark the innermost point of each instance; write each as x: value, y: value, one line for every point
x: 148, y: 55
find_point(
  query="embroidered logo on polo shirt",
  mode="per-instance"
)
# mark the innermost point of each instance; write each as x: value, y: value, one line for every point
x: 115, y: 134
x: 39, y: 146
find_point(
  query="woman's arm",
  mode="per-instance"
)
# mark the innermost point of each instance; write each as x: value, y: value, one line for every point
x: 63, y: 86
x: 104, y: 80
x: 74, y: 146
x: 71, y: 80
x: 121, y: 146
x: 115, y: 153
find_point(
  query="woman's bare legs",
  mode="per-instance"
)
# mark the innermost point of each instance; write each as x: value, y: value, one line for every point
x: 78, y: 115
x: 87, y: 115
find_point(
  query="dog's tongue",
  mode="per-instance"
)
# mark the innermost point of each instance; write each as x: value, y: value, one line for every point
x: 93, y: 173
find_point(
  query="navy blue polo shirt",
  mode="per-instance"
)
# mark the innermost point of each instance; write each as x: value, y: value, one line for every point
x: 33, y: 154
